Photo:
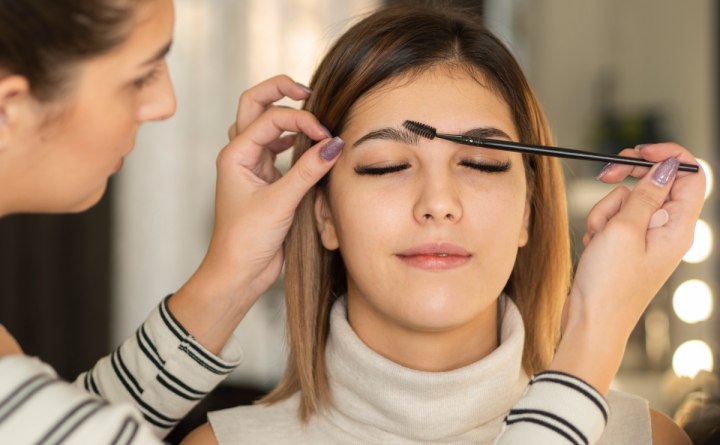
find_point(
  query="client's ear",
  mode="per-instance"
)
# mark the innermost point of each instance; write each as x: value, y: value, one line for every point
x: 525, y: 229
x: 324, y: 221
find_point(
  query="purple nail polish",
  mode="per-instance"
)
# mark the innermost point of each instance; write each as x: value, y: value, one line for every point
x: 304, y: 88
x: 332, y: 149
x: 665, y: 172
x: 606, y: 168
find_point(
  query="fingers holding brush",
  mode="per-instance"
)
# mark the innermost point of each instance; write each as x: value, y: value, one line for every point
x: 636, y: 238
x: 613, y: 172
x: 623, y: 265
x: 685, y: 198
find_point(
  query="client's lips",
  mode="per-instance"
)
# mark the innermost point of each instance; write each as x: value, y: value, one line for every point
x: 435, y: 256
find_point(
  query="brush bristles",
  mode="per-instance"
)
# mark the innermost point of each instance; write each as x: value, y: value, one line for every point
x: 421, y: 129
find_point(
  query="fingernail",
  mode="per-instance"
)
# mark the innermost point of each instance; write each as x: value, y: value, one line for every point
x: 665, y: 172
x: 639, y: 147
x: 332, y: 149
x: 304, y: 88
x: 606, y: 168
x: 324, y: 129
x: 659, y: 219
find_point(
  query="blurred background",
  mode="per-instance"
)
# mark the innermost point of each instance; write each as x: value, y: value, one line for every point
x: 610, y: 73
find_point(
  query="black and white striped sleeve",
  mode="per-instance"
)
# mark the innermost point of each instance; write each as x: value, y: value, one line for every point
x: 556, y: 409
x: 161, y: 370
x: 37, y: 407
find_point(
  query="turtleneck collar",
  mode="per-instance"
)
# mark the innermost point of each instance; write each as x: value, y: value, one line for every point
x: 378, y: 400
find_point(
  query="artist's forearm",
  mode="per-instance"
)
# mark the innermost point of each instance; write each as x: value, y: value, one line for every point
x: 210, y: 306
x: 591, y: 351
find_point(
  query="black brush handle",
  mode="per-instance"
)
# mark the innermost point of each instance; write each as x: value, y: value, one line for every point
x: 554, y: 151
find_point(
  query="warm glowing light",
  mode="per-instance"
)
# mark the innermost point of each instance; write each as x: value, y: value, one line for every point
x: 693, y: 301
x: 702, y: 243
x: 708, y: 176
x: 691, y: 357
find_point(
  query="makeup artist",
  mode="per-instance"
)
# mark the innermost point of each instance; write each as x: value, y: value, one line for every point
x: 77, y: 78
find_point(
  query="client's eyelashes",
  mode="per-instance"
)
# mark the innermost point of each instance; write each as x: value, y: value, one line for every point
x: 360, y: 170
x: 485, y: 167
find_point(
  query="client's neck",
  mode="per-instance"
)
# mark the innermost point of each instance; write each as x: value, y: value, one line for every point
x: 420, y: 349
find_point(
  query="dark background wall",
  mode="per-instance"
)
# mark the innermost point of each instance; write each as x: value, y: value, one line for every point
x: 55, y: 285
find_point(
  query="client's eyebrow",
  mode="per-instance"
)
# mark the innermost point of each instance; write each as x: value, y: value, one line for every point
x: 390, y: 134
x: 407, y: 137
x: 487, y: 133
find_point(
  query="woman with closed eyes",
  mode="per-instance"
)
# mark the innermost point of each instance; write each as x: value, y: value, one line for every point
x: 428, y: 284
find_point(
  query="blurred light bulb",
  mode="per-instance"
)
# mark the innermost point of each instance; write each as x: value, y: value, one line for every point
x: 693, y: 301
x: 708, y: 176
x: 702, y: 243
x: 691, y: 357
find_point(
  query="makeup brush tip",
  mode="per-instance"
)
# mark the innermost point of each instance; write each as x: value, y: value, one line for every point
x: 421, y: 129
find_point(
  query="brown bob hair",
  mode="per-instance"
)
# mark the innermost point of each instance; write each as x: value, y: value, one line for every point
x: 406, y: 41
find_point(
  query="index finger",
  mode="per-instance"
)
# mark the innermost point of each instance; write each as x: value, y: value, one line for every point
x: 263, y: 133
x: 688, y: 190
x: 254, y: 101
x: 650, y: 152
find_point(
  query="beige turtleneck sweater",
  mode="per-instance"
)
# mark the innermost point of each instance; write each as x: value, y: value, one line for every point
x: 378, y: 401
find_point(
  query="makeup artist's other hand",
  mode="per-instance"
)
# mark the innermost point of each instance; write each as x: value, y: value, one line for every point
x: 8, y: 344
x: 255, y: 204
x: 635, y: 239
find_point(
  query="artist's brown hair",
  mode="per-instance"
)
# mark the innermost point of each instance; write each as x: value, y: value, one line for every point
x: 406, y: 41
x: 43, y: 40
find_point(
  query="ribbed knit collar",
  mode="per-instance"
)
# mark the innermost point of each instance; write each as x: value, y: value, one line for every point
x: 379, y: 401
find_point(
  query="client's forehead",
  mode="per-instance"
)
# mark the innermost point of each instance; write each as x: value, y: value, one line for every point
x: 451, y: 100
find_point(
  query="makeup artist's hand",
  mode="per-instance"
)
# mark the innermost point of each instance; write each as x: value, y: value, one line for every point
x: 8, y: 344
x: 254, y: 208
x: 635, y: 239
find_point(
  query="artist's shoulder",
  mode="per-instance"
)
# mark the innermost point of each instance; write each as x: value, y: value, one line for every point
x: 665, y: 431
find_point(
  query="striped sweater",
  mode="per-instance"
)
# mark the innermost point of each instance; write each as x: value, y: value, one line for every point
x: 135, y: 395
x: 138, y: 393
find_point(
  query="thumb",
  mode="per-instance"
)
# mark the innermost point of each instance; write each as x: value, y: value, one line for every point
x: 309, y: 169
x: 650, y: 193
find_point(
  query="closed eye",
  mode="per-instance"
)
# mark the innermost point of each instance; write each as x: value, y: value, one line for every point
x: 377, y: 171
x: 487, y: 167
x: 480, y: 166
x: 148, y: 78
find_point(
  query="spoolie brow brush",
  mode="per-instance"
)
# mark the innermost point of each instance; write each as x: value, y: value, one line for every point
x: 429, y: 132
